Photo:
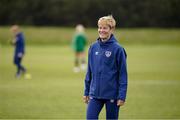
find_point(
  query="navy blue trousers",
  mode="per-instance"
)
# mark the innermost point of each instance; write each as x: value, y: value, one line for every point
x: 95, y: 106
x: 20, y: 68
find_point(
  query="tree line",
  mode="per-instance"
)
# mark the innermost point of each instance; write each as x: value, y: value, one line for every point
x: 128, y: 13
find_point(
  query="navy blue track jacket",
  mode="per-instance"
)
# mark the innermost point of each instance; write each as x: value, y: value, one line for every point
x: 106, y: 76
x: 19, y: 45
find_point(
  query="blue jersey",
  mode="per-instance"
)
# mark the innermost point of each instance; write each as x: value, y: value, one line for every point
x: 19, y: 44
x: 106, y: 76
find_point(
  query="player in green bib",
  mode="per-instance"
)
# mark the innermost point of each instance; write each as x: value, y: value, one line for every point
x: 79, y: 43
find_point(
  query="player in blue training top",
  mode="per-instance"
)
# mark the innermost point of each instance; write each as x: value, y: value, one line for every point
x: 19, y: 43
x: 106, y: 77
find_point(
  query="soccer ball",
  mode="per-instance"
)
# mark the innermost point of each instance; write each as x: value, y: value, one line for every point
x: 27, y: 76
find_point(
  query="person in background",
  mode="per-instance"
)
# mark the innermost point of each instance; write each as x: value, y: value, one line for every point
x: 79, y: 42
x: 106, y: 77
x: 19, y: 43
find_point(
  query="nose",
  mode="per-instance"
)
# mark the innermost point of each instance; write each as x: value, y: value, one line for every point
x: 101, y: 30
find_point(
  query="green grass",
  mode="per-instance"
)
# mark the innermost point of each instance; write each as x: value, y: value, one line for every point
x: 56, y: 92
x: 63, y: 35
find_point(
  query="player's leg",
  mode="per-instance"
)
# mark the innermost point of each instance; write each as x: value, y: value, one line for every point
x: 18, y: 66
x: 94, y: 108
x: 22, y: 68
x: 83, y: 60
x: 112, y: 110
x: 76, y: 62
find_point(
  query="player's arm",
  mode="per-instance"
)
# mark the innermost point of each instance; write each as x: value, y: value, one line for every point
x: 87, y: 80
x: 122, y: 77
x: 12, y: 42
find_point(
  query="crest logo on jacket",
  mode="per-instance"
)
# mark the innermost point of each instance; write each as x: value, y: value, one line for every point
x: 108, y: 53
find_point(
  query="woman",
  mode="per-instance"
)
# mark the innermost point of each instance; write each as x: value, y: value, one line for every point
x: 19, y: 43
x: 106, y: 77
x: 79, y: 43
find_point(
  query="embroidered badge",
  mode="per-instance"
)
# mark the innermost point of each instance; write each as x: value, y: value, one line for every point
x: 108, y: 53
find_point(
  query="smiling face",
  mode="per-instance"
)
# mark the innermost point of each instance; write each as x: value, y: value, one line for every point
x: 106, y: 26
x: 104, y: 31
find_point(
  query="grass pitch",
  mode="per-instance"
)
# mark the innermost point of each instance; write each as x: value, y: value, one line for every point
x: 55, y: 91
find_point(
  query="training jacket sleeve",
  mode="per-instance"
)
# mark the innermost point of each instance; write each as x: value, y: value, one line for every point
x: 21, y: 39
x: 88, y: 76
x: 122, y: 66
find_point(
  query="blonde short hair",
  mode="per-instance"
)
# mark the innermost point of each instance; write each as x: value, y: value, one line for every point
x: 80, y: 28
x: 15, y: 28
x: 107, y: 20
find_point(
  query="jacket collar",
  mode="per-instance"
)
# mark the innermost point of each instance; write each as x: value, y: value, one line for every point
x: 109, y: 41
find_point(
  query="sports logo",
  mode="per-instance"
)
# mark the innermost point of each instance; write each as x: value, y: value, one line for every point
x: 96, y: 53
x: 108, y: 53
x: 112, y: 101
